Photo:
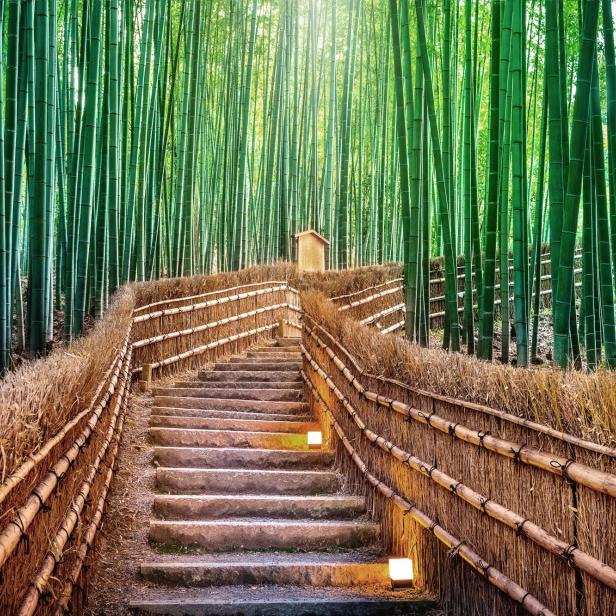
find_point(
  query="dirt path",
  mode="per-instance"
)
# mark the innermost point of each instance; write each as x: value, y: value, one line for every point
x: 122, y: 543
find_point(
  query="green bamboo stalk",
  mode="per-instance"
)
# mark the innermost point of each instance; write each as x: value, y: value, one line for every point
x: 579, y: 130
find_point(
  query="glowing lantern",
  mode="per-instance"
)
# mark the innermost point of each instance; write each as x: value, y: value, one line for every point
x: 315, y: 440
x: 401, y: 572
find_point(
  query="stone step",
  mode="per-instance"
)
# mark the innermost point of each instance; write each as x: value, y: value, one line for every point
x: 246, y: 425
x: 180, y: 437
x: 248, y: 534
x: 245, y: 393
x: 214, y: 506
x: 241, y: 384
x: 175, y: 412
x: 229, y: 404
x: 280, y: 601
x: 277, y: 349
x: 264, y: 359
x: 291, y: 569
x: 245, y: 364
x: 290, y: 376
x: 201, y: 457
x: 288, y: 341
x: 278, y: 355
x: 245, y: 481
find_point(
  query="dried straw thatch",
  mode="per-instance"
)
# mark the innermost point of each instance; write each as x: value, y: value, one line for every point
x: 61, y: 418
x: 41, y: 396
x: 467, y: 484
x: 578, y: 403
x: 533, y: 503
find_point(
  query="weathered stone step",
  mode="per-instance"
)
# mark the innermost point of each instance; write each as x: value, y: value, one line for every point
x: 245, y: 393
x: 277, y: 349
x: 230, y: 404
x: 252, y: 365
x: 179, y: 412
x: 245, y: 481
x: 291, y: 376
x: 264, y: 359
x: 288, y: 341
x: 180, y: 437
x: 277, y: 355
x: 280, y: 601
x: 242, y: 384
x: 292, y: 569
x: 212, y: 506
x: 246, y: 425
x: 216, y: 457
x: 225, y: 535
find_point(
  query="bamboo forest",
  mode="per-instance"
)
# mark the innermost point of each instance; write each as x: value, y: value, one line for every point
x: 307, y: 307
x: 156, y: 138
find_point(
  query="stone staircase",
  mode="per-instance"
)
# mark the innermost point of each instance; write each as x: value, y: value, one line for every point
x: 247, y: 520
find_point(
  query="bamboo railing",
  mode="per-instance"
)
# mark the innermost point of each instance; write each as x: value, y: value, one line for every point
x: 528, y: 507
x: 460, y: 487
x: 200, y: 331
x: 46, y: 502
x: 52, y: 505
x: 456, y: 546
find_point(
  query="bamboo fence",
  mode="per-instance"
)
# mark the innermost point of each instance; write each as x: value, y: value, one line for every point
x: 453, y: 483
x: 382, y: 305
x: 462, y: 488
x: 52, y: 502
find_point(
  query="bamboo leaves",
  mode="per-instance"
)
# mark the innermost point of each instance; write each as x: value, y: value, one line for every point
x: 173, y: 137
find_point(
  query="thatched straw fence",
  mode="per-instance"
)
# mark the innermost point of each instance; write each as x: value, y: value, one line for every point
x: 479, y: 472
x: 482, y: 473
x: 61, y: 418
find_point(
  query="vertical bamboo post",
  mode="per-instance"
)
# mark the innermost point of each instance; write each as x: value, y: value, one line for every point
x: 281, y: 328
x: 146, y: 377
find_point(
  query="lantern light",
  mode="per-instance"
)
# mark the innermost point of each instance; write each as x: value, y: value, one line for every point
x: 315, y: 440
x: 401, y: 572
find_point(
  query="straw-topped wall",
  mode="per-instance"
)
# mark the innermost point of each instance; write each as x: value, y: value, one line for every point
x: 499, y: 482
x: 473, y: 493
x: 62, y: 417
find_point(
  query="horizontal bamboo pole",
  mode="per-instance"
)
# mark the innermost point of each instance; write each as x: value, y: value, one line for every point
x: 208, y: 294
x: 370, y: 298
x: 569, y: 552
x: 295, y: 324
x: 24, y: 469
x: 383, y: 313
x: 212, y: 345
x: 199, y: 328
x: 82, y: 551
x: 497, y: 302
x: 441, y: 298
x: 392, y: 328
x: 208, y: 304
x: 23, y: 517
x: 337, y: 298
x: 594, y: 479
x: 578, y: 255
x: 567, y: 468
x: 514, y: 419
x: 377, y: 286
x: 112, y: 438
x: 456, y: 546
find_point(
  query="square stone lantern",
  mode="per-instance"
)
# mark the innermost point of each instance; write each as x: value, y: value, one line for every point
x: 310, y: 251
